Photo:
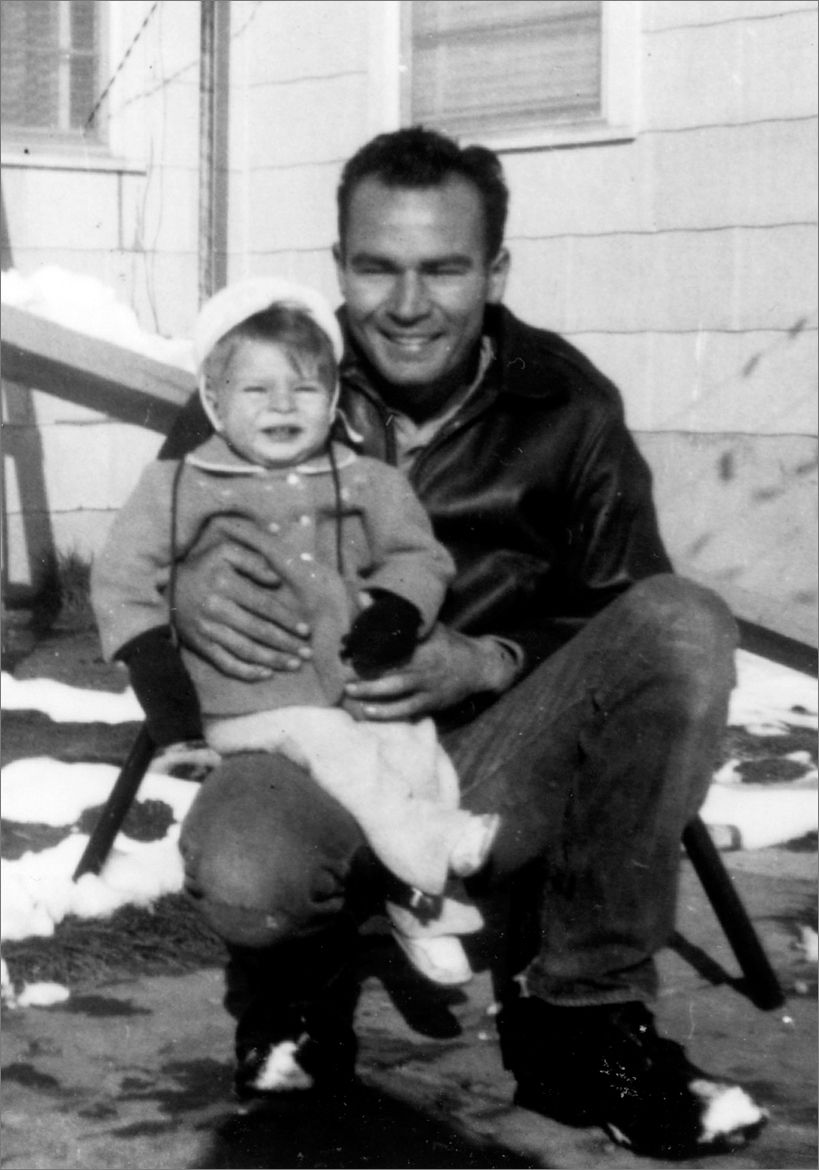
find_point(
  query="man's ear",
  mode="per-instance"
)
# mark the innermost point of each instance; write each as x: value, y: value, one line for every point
x: 498, y: 274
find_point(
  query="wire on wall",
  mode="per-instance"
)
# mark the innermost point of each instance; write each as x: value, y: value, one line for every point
x: 107, y: 88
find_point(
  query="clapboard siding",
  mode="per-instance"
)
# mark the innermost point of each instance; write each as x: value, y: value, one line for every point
x: 682, y: 260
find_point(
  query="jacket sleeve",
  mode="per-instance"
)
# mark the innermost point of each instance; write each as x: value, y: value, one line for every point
x: 612, y: 537
x: 613, y: 533
x: 407, y: 559
x: 130, y: 574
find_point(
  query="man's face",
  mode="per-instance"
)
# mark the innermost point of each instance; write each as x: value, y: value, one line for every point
x: 415, y: 277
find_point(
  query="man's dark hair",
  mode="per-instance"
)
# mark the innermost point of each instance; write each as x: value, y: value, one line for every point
x: 418, y: 157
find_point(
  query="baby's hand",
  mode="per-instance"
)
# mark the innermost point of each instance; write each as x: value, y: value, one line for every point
x: 383, y: 635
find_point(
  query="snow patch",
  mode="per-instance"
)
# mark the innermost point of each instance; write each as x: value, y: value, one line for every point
x: 85, y: 304
x: 67, y: 704
x: 809, y: 943
x: 281, y: 1071
x: 728, y: 1110
x: 37, y: 891
x: 762, y: 814
x: 42, y: 995
x: 769, y: 697
x: 44, y: 791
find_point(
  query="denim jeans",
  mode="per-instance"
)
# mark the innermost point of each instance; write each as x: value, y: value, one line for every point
x: 596, y: 762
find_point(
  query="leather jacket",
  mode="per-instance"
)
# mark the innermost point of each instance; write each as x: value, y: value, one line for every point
x: 536, y: 487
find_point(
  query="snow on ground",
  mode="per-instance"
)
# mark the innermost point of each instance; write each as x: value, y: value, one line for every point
x: 67, y: 704
x: 767, y: 701
x: 37, y: 890
x: 47, y: 792
x: 768, y: 697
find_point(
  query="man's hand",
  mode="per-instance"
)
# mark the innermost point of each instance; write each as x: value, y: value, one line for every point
x: 227, y: 604
x: 444, y: 670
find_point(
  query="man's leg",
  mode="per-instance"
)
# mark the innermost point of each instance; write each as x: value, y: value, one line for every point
x: 268, y: 859
x: 596, y: 762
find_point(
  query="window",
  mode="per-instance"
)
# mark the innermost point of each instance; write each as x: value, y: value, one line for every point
x: 50, y: 69
x: 522, y: 72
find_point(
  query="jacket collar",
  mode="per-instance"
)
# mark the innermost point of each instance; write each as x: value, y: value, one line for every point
x: 523, y: 365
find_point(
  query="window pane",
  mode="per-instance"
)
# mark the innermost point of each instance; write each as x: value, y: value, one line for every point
x: 480, y: 65
x: 82, y: 24
x: 29, y: 61
x: 82, y: 90
x: 48, y: 84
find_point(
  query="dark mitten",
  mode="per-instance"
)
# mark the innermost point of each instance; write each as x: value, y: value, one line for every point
x: 163, y: 687
x: 383, y: 635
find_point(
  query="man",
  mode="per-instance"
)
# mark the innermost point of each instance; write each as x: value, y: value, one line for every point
x: 580, y: 688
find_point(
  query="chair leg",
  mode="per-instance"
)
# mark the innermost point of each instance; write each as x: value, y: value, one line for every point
x: 762, y: 982
x: 114, y: 811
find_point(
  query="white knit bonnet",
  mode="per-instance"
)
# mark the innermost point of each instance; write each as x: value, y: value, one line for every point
x: 237, y: 302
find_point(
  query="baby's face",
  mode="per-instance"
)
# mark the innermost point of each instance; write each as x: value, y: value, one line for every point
x: 269, y: 412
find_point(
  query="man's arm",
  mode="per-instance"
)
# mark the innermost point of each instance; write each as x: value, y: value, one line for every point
x: 228, y: 608
x: 611, y: 541
x: 407, y: 558
x: 614, y: 542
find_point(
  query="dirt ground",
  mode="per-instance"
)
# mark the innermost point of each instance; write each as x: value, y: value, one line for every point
x: 134, y: 1069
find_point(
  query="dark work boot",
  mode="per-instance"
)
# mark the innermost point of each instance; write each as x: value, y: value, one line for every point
x: 309, y: 1049
x: 607, y: 1066
x: 294, y: 1007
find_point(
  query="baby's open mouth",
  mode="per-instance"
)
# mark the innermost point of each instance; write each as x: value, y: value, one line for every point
x: 282, y: 432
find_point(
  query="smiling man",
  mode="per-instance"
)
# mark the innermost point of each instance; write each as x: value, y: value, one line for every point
x: 416, y: 272
x: 580, y: 688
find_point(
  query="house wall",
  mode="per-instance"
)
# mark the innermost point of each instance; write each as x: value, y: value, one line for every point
x: 684, y: 263
x: 126, y: 215
x: 682, y: 260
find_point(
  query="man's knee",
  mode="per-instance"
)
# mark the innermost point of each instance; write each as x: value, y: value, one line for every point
x: 692, y: 632
x: 267, y: 853
x: 682, y: 611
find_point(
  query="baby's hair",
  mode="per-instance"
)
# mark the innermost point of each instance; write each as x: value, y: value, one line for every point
x: 306, y: 345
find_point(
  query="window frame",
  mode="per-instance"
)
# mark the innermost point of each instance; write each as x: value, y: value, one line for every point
x: 620, y: 83
x: 52, y: 147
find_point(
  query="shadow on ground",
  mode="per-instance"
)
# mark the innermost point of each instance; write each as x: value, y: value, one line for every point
x: 363, y: 1128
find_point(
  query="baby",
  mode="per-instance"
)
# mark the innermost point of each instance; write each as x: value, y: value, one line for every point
x: 359, y: 563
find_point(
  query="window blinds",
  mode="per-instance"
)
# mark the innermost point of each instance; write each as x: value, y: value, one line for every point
x: 491, y: 65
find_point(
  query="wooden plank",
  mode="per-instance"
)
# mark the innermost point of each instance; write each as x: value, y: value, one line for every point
x: 97, y: 374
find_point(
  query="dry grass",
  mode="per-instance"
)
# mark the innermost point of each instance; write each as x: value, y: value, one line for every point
x: 168, y: 939
x: 67, y: 591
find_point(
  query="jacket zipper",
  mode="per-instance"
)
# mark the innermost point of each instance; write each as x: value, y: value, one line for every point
x: 456, y: 424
